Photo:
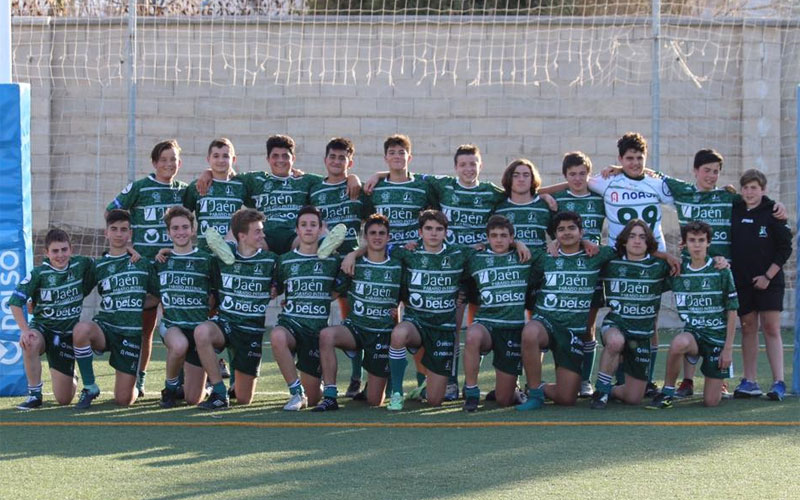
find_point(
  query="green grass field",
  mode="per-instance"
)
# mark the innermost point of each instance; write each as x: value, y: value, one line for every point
x: 743, y: 449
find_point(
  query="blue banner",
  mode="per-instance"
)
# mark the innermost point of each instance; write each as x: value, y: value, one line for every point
x: 16, y: 227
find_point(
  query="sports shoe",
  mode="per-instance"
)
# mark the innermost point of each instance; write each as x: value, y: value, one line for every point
x: 651, y: 391
x: 218, y: 246
x: 396, y: 403
x: 520, y: 396
x: 224, y: 372
x: 168, y: 398
x: 353, y: 389
x: 451, y: 392
x: 361, y: 395
x: 139, y: 392
x: 332, y: 241
x: 599, y: 401
x: 726, y: 394
x: 685, y: 389
x: 534, y: 402
x: 586, y: 389
x: 470, y: 405
x: 215, y: 402
x: 296, y: 402
x: 418, y: 392
x: 327, y: 404
x: 85, y: 399
x: 179, y: 394
x: 660, y: 402
x: 491, y: 396
x: 747, y: 389
x: 231, y: 393
x: 30, y: 403
x: 778, y: 391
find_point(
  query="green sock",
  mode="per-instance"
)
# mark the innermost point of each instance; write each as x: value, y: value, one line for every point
x: 420, y: 379
x: 220, y: 389
x: 140, y: 378
x: 355, y: 365
x: 172, y: 384
x: 620, y: 375
x: 330, y: 391
x: 653, y: 352
x: 668, y: 390
x: 84, y: 358
x: 397, y: 367
x: 295, y: 388
x: 589, y: 352
x: 472, y: 392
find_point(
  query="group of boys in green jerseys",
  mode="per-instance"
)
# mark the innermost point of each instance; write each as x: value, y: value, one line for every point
x: 433, y: 313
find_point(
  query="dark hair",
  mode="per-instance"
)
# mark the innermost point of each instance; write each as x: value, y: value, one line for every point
x: 631, y: 140
x: 340, y: 144
x: 308, y: 209
x: 625, y: 234
x: 117, y: 215
x: 376, y: 219
x: 162, y: 146
x: 563, y: 216
x: 280, y: 141
x: 575, y: 159
x: 466, y: 149
x: 178, y: 211
x: 221, y: 142
x: 499, y: 222
x: 753, y: 175
x: 56, y: 236
x: 397, y: 140
x: 434, y: 215
x: 242, y: 218
x: 695, y: 226
x: 707, y: 156
x: 508, y: 175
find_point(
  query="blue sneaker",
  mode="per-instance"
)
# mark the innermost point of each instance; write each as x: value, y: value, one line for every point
x: 534, y: 402
x: 777, y: 391
x: 747, y: 389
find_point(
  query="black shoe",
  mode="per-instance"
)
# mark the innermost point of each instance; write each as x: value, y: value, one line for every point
x: 30, y: 403
x: 215, y: 402
x: 231, y: 393
x: 85, y: 399
x: 490, y: 396
x: 168, y: 398
x: 327, y: 404
x: 139, y: 392
x: 660, y: 402
x: 599, y: 401
x: 224, y: 372
x: 353, y: 388
x: 471, y: 405
x: 651, y: 391
x: 179, y: 394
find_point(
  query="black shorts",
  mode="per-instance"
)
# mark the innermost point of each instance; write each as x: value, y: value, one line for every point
x: 751, y: 299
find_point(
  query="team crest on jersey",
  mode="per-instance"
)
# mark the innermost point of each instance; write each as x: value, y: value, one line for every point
x: 762, y: 232
x: 590, y: 206
x: 622, y: 271
x: 318, y: 268
x: 170, y: 264
x: 385, y: 196
x: 237, y: 268
x: 51, y: 280
x: 295, y: 268
x: 323, y: 197
x: 686, y: 283
x: 424, y: 262
x: 445, y: 261
x: 112, y: 268
x: 581, y: 264
x: 176, y: 197
x: 367, y: 274
x: 257, y: 269
x: 559, y: 263
x: 456, y: 200
x: 266, y: 187
x: 156, y: 197
x: 490, y: 261
x: 570, y: 206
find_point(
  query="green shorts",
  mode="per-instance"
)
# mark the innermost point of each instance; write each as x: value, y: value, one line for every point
x: 57, y: 348
x: 124, y: 349
x: 565, y: 343
x: 306, y: 348
x: 507, y: 354
x: 244, y: 347
x: 438, y: 344
x: 375, y: 347
x: 710, y: 354
x: 279, y: 238
x: 635, y: 352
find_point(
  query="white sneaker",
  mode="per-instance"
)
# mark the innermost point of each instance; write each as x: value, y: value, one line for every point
x: 451, y: 392
x: 586, y: 389
x: 297, y: 402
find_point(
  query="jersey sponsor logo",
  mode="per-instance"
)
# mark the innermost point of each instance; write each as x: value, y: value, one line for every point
x: 370, y: 291
x: 59, y: 295
x: 632, y: 309
x: 488, y: 298
x: 633, y: 288
x: 627, y: 195
x: 299, y: 285
x: 563, y: 279
x: 403, y: 216
x: 698, y: 212
x: 423, y: 279
x: 689, y: 301
x: 370, y: 311
x: 181, y: 301
x: 110, y: 304
x: 416, y: 300
x: 241, y: 284
x: 61, y: 312
x: 152, y: 235
x: 228, y: 304
x: 762, y: 232
x: 175, y: 279
x: 496, y: 276
x: 308, y: 309
x: 218, y: 207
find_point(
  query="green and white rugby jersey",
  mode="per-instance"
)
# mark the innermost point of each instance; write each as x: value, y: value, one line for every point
x: 432, y: 281
x: 401, y: 203
x: 567, y: 284
x: 244, y: 289
x: 633, y: 293
x: 373, y: 292
x: 503, y: 283
x: 278, y: 198
x: 703, y: 298
x: 589, y: 206
x: 123, y: 286
x: 466, y: 208
x: 216, y: 208
x: 530, y: 220
x: 148, y: 200
x: 57, y: 295
x: 308, y: 282
x: 336, y: 207
x: 714, y: 207
x: 184, y: 282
